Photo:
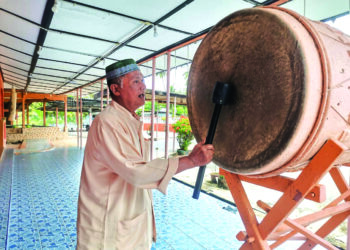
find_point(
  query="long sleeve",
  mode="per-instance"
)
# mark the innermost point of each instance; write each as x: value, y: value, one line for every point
x: 121, y: 150
x: 114, y: 193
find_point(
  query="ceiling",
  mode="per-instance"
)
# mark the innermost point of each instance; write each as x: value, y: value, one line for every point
x: 50, y: 46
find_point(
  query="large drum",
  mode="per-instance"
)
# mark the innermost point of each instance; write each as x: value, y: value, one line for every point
x: 292, y: 90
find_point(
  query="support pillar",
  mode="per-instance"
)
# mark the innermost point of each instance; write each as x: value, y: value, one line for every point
x: 153, y: 103
x: 167, y: 106
x: 2, y: 135
x: 65, y: 114
x: 90, y: 116
x: 57, y: 117
x: 101, y: 95
x: 77, y: 117
x: 81, y: 118
x: 28, y: 113
x: 23, y: 105
x: 157, y: 120
x: 44, y: 113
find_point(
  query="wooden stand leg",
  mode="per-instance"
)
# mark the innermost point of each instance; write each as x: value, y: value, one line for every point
x: 257, y: 234
x: 254, y: 239
x: 334, y: 221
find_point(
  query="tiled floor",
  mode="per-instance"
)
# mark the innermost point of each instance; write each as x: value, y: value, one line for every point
x: 39, y: 193
x: 5, y: 193
x: 43, y: 189
x: 44, y: 194
x: 185, y: 223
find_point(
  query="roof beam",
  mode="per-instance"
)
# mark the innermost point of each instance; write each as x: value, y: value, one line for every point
x: 16, y: 73
x: 9, y: 75
x: 76, y: 52
x: 21, y: 52
x: 71, y: 34
x: 174, y: 46
x: 127, y: 16
x: 40, y: 74
x: 31, y: 95
x: 172, y: 12
x: 45, y: 23
x: 177, y: 45
x: 14, y: 84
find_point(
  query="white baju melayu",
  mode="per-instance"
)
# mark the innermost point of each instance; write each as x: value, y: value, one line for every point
x: 115, y: 208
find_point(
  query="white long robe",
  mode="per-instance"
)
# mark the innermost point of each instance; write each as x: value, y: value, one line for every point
x: 115, y: 208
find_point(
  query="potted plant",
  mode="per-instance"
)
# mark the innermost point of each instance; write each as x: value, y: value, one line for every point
x: 184, y: 134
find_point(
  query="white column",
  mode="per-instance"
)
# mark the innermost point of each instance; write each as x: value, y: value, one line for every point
x: 90, y: 116
x: 167, y: 105
x: 77, y: 117
x: 153, y: 100
x: 81, y: 117
x: 101, y: 95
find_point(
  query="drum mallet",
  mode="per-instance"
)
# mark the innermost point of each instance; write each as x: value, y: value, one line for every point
x: 221, y: 96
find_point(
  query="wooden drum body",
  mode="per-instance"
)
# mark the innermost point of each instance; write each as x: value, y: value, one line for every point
x: 292, y: 90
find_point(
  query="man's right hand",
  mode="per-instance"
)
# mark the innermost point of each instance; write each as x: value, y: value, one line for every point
x: 201, y: 155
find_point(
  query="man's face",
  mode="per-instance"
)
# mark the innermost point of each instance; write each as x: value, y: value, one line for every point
x: 132, y: 94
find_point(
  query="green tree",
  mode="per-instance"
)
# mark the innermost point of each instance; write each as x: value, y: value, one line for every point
x: 36, y: 116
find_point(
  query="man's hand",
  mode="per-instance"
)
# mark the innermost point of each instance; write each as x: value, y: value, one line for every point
x: 201, y: 155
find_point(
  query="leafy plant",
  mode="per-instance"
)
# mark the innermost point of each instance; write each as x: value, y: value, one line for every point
x: 184, y: 132
x: 222, y: 182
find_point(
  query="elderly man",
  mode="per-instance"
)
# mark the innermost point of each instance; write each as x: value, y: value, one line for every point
x: 115, y: 208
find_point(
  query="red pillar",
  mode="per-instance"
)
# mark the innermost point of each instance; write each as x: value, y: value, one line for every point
x: 65, y: 114
x: 3, y: 119
x: 28, y: 113
x: 23, y: 104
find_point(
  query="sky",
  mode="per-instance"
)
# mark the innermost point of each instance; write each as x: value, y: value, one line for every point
x: 342, y: 24
x: 177, y: 79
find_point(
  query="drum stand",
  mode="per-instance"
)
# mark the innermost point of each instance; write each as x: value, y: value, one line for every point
x: 276, y: 226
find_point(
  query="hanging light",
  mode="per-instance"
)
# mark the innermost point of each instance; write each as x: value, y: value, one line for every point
x: 56, y: 6
x: 155, y: 33
x: 39, y: 50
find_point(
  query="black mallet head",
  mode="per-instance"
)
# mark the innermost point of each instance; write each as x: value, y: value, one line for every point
x: 222, y: 93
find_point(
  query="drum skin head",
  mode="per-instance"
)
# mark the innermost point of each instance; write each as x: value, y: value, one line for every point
x: 256, y: 52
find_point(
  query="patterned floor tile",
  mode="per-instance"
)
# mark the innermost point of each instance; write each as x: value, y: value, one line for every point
x: 40, y: 193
